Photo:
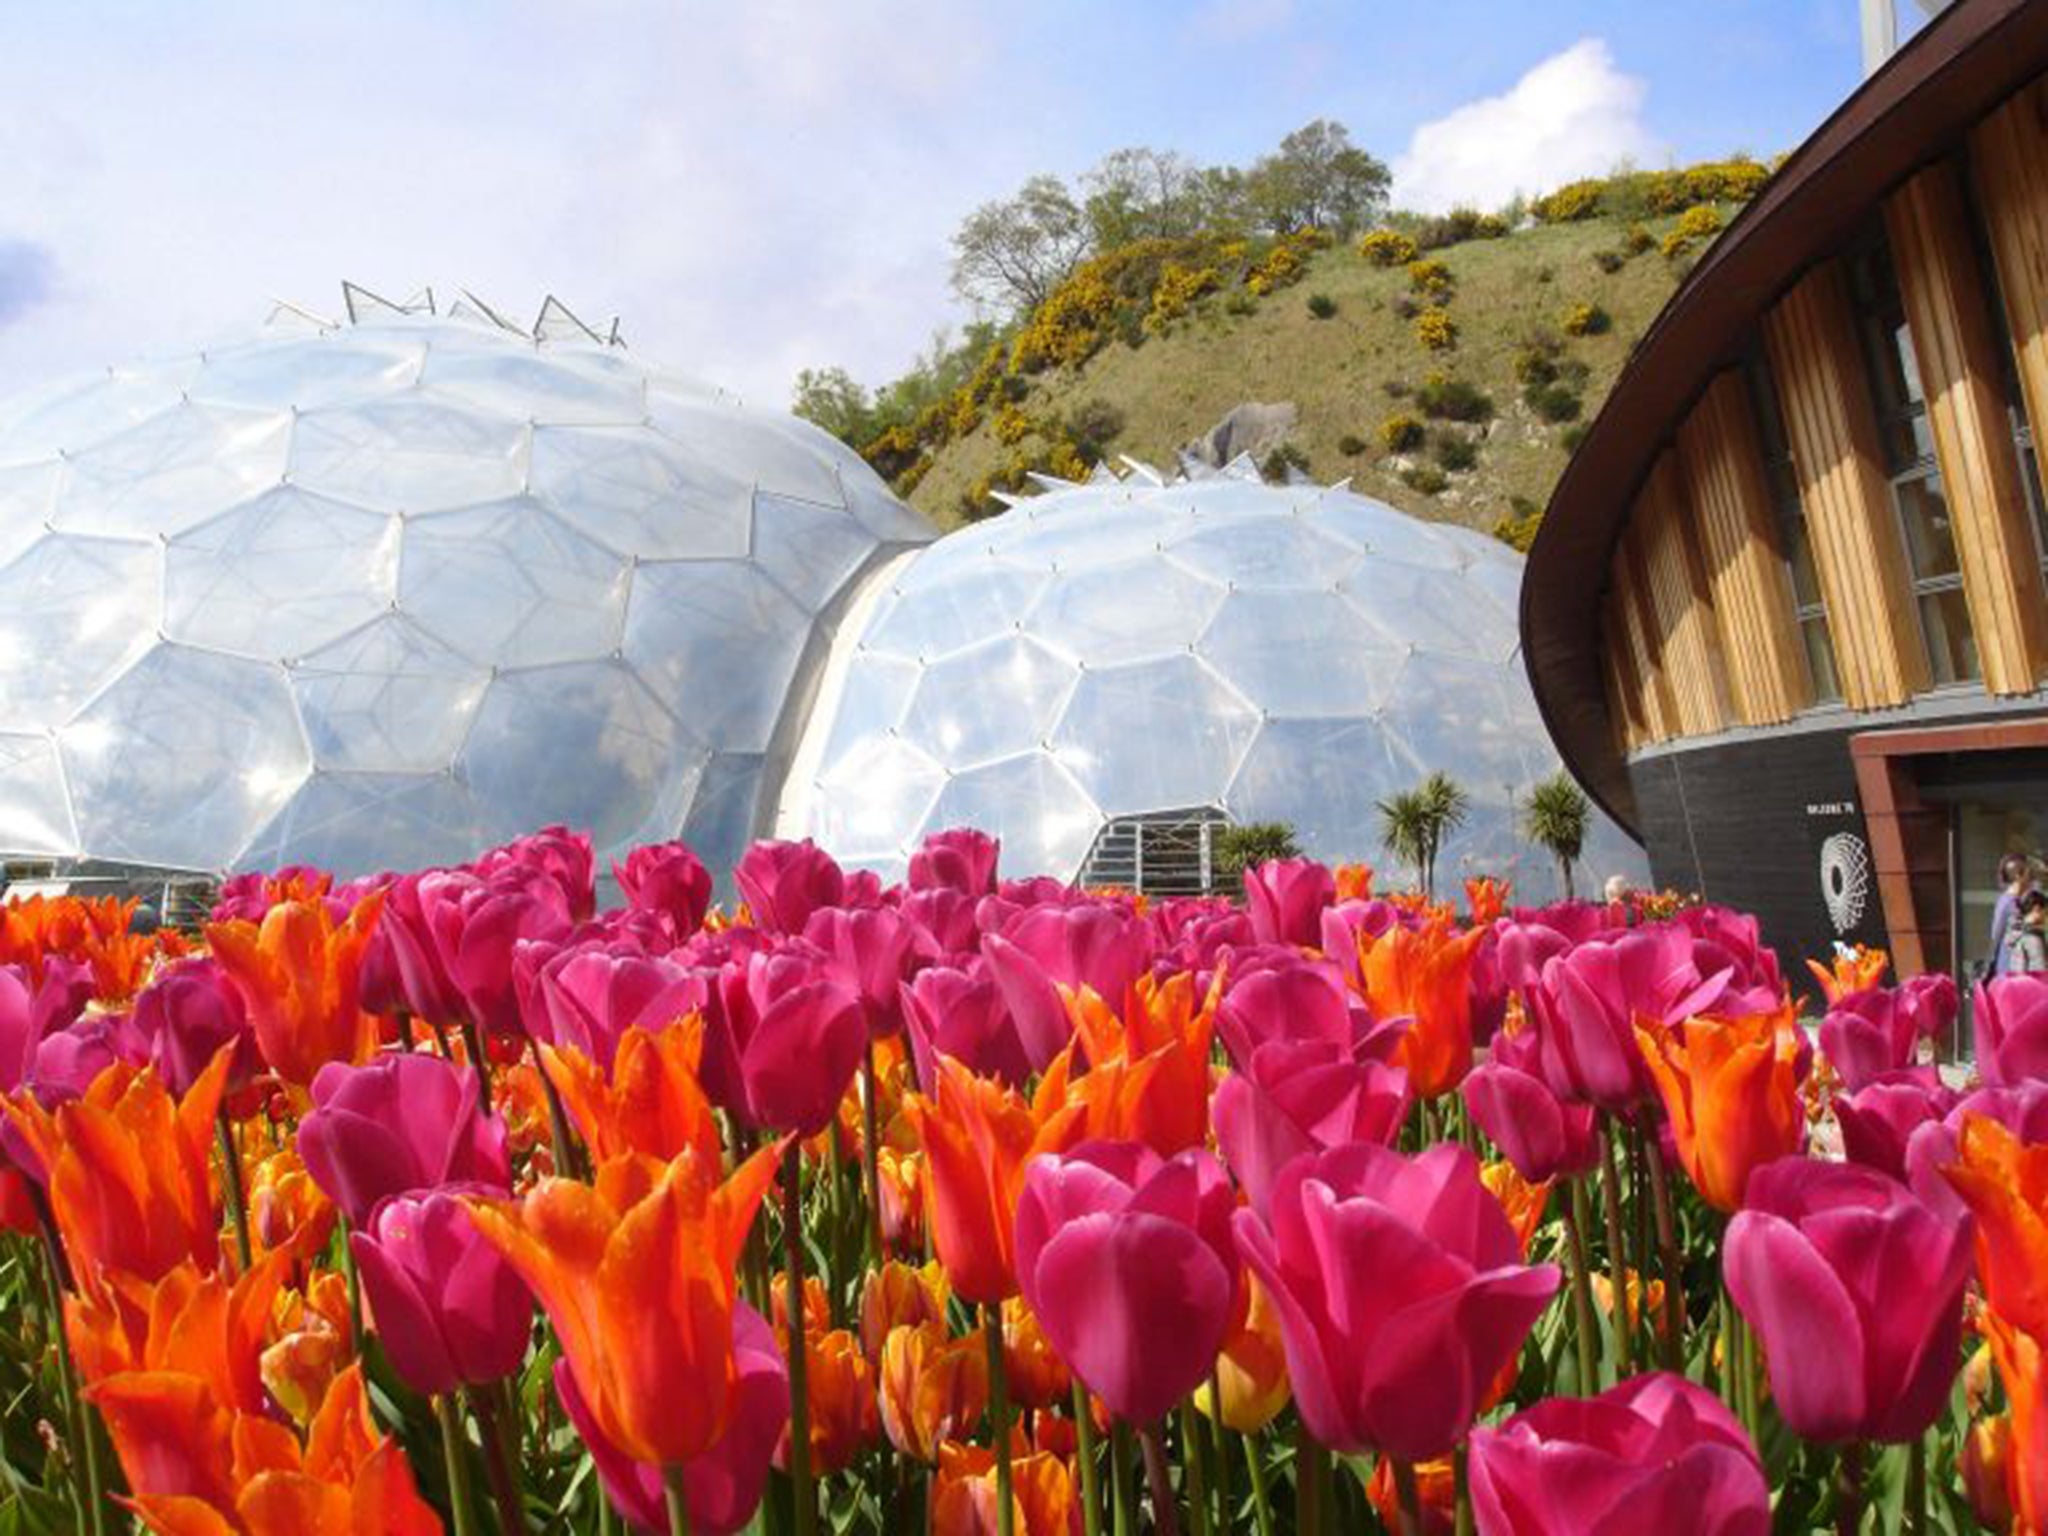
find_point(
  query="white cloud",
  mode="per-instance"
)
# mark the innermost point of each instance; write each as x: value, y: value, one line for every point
x: 1575, y: 114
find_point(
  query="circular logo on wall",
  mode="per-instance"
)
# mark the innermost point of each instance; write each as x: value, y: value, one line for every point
x: 1845, y: 879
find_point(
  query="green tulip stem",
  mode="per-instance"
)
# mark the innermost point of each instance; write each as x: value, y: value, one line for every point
x: 1667, y: 1255
x: 1586, y: 1332
x: 1194, y: 1451
x: 568, y: 1156
x: 1916, y: 1487
x: 449, y: 1412
x: 1221, y: 1461
x: 803, y: 1499
x: 84, y: 1437
x: 1125, y: 1515
x: 1165, y: 1512
x: 678, y: 1504
x: 479, y: 1062
x: 1849, y: 1489
x: 999, y: 1416
x: 1262, y: 1503
x: 1620, y: 1309
x: 231, y: 1185
x: 1311, y: 1482
x: 1091, y: 1488
x: 499, y: 1458
x: 1409, y: 1493
x: 1461, y: 1471
x: 404, y: 1018
x: 871, y: 1154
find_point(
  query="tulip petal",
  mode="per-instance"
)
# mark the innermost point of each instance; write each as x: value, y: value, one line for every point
x: 1813, y: 1340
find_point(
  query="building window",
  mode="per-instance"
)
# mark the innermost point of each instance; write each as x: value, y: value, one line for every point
x: 1916, y: 478
x: 1794, y: 544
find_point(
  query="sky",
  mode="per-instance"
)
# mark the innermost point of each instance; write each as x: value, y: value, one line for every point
x: 760, y: 186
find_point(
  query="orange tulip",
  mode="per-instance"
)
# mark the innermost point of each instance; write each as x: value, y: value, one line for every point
x: 287, y: 1212
x: 817, y: 1308
x: 1424, y: 973
x: 964, y: 1494
x: 298, y: 973
x: 1731, y: 1087
x: 189, y: 1322
x: 1252, y: 1369
x: 1037, y: 1376
x: 933, y: 1387
x: 1524, y: 1202
x: 1641, y: 1303
x: 840, y: 1389
x: 1988, y: 1474
x: 130, y: 1172
x: 1148, y: 1072
x: 652, y: 1102
x: 1856, y: 969
x: 977, y: 1135
x: 2005, y: 1185
x: 1436, y: 1482
x: 637, y: 1275
x: 91, y: 931
x: 897, y: 1296
x: 1354, y: 882
x: 2020, y: 1367
x: 900, y: 1177
x: 1487, y: 898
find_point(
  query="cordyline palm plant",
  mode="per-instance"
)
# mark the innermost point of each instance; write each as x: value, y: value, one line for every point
x: 1414, y: 823
x: 1556, y: 819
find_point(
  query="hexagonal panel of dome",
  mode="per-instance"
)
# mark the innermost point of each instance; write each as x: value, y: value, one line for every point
x: 385, y: 590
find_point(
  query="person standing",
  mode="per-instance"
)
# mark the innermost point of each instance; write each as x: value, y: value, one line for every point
x: 2016, y: 877
x: 2027, y: 946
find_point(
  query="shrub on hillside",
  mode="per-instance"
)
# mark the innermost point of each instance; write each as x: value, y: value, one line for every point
x: 1432, y: 279
x: 1458, y: 226
x: 1351, y: 445
x: 1517, y: 527
x: 1609, y: 261
x: 1388, y: 248
x: 1321, y: 306
x: 1699, y: 223
x: 1178, y: 288
x: 1400, y: 433
x: 1573, y: 201
x: 1453, y: 451
x: 1284, y: 457
x: 1573, y: 435
x: 1426, y: 478
x: 1435, y: 329
x: 1012, y: 426
x: 1553, y: 402
x: 1636, y: 240
x: 1586, y: 320
x: 1451, y: 399
x: 1093, y: 425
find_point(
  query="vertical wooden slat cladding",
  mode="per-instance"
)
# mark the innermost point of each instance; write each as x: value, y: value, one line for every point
x: 2009, y: 155
x: 1811, y: 339
x: 1653, y: 691
x: 1980, y: 470
x: 1687, y: 637
x: 1745, y: 569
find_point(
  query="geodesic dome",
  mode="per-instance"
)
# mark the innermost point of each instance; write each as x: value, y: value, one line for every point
x: 388, y: 592
x: 1127, y: 649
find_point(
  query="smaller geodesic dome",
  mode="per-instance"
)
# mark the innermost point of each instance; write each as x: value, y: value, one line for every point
x: 1135, y: 649
x: 387, y: 591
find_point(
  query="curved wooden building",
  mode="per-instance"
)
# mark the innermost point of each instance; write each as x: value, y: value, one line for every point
x: 1787, y: 617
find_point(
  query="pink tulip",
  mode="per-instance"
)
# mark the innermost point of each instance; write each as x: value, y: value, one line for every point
x: 1729, y: 942
x: 1524, y: 950
x: 784, y: 883
x: 1126, y: 1260
x: 67, y: 1060
x: 402, y: 1124
x: 30, y: 1012
x: 2011, y: 1020
x: 187, y: 1014
x: 2021, y: 1109
x: 1879, y: 1119
x: 450, y: 1310
x: 1300, y: 999
x: 1867, y: 1034
x: 783, y: 1044
x: 1285, y: 899
x: 1101, y: 945
x: 723, y: 1486
x: 1587, y: 1001
x: 556, y: 854
x: 944, y: 922
x: 1401, y: 1293
x: 1297, y: 1097
x: 476, y: 924
x: 1656, y: 1453
x: 960, y: 1013
x: 1344, y: 924
x: 402, y: 970
x: 1855, y: 1288
x: 1194, y: 931
x: 871, y: 951
x: 588, y: 998
x: 1932, y: 1000
x: 667, y: 879
x: 1541, y: 1134
x: 961, y: 859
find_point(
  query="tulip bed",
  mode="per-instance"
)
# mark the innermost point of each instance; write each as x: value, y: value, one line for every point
x: 447, y: 1201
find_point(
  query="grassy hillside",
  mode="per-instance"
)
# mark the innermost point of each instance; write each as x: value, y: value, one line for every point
x: 1351, y: 370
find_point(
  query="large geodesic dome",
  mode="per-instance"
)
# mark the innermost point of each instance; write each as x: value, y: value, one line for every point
x: 389, y: 591
x: 1137, y: 649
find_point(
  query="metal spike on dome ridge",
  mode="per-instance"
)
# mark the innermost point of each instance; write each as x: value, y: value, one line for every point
x: 1192, y: 468
x: 1242, y: 467
x: 284, y: 312
x: 1102, y: 474
x: 557, y: 322
x: 1047, y: 482
x: 1139, y: 470
x: 362, y: 304
x: 1338, y: 485
x: 471, y: 304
